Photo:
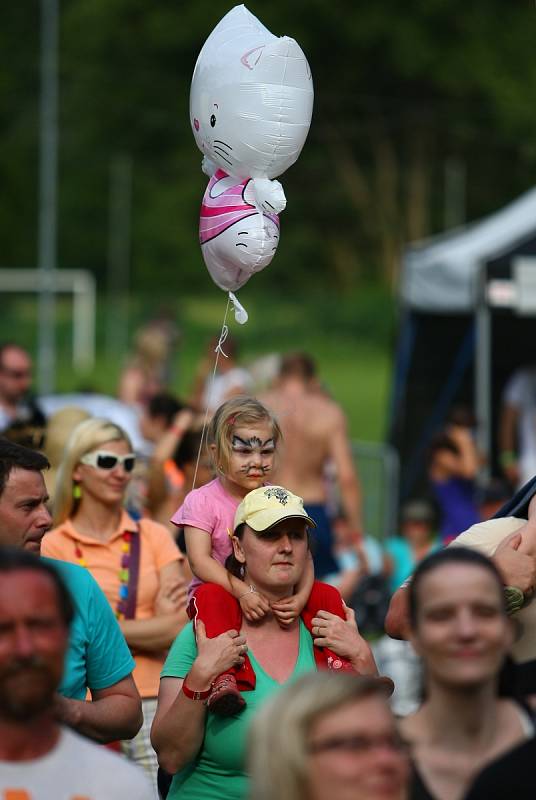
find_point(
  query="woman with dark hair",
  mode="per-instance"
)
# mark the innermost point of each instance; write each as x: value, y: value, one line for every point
x: 460, y: 628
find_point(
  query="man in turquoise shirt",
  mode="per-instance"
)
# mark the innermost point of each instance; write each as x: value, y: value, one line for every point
x: 98, y: 657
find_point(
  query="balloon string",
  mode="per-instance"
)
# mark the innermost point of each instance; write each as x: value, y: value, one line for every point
x: 218, y: 349
x: 223, y: 336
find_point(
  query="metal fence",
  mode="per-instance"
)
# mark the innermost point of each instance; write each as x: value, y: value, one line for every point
x: 378, y: 467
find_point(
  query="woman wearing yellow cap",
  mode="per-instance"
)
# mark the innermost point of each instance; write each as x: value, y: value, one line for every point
x: 205, y: 752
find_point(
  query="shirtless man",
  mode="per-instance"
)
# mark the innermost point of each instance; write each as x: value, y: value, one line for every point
x: 314, y: 435
x: 517, y: 429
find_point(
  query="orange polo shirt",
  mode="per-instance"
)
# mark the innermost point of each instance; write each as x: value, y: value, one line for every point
x: 103, y: 559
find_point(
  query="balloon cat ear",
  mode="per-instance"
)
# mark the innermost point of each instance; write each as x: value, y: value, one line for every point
x: 251, y: 98
x: 251, y: 102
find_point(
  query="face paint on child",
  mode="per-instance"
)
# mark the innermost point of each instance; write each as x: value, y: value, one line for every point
x: 252, y: 446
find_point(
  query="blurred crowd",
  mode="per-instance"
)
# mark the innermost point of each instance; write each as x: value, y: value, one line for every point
x: 209, y: 603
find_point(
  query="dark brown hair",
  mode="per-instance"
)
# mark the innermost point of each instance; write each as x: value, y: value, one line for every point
x: 15, y: 456
x: 451, y: 555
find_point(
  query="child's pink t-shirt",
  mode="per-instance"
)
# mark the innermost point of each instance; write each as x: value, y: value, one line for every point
x: 211, y: 509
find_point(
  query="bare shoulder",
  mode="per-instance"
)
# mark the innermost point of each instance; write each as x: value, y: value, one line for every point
x: 514, y: 718
x: 319, y: 411
x: 327, y: 410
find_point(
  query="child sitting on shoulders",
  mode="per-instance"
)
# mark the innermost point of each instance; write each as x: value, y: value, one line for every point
x: 243, y: 437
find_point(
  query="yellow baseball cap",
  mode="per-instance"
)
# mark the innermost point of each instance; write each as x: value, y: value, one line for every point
x: 264, y: 507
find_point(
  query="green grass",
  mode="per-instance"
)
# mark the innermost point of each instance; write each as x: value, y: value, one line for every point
x: 349, y: 336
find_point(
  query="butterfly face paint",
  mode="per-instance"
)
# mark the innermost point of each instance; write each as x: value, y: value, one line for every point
x: 252, y: 455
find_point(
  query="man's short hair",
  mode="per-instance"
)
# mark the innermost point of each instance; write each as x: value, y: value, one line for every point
x: 13, y: 559
x: 15, y: 456
x: 298, y: 365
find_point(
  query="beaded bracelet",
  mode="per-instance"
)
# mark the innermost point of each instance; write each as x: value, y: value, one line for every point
x: 251, y: 590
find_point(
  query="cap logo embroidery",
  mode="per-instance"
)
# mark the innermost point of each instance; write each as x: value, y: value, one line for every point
x: 278, y: 493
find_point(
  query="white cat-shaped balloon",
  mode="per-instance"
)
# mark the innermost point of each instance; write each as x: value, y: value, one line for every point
x: 251, y: 103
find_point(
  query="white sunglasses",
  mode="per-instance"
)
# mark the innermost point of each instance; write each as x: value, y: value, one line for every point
x: 105, y: 460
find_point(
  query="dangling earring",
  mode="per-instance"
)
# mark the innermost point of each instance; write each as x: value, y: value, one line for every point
x: 77, y: 491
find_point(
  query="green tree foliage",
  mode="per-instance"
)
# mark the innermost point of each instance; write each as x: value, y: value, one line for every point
x: 400, y: 88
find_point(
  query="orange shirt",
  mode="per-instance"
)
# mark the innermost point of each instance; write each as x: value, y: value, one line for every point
x: 103, y: 559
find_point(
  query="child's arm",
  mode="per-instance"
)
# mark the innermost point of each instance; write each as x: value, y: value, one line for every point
x: 208, y: 570
x: 288, y: 609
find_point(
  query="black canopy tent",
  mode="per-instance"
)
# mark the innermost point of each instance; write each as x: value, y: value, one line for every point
x: 468, y: 319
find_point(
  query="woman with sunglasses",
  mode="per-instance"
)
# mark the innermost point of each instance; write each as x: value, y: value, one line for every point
x: 137, y: 564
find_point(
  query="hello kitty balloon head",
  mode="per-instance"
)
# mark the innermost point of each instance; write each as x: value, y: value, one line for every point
x: 251, y: 98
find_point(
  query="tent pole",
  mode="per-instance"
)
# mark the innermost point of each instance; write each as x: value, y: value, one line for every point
x: 482, y: 375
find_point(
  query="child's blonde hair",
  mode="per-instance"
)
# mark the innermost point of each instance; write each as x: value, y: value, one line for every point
x: 232, y: 414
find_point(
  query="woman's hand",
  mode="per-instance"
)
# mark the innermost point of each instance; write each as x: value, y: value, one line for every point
x: 343, y: 637
x: 459, y: 434
x: 216, y: 655
x: 179, y: 725
x: 183, y: 420
x: 517, y: 568
x: 254, y: 606
x: 287, y: 610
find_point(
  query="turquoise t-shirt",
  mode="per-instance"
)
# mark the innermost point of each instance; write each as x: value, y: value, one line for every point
x: 98, y: 655
x: 218, y: 771
x: 403, y: 559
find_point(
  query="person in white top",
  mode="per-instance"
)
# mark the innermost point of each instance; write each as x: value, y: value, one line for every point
x: 517, y: 426
x: 39, y: 758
